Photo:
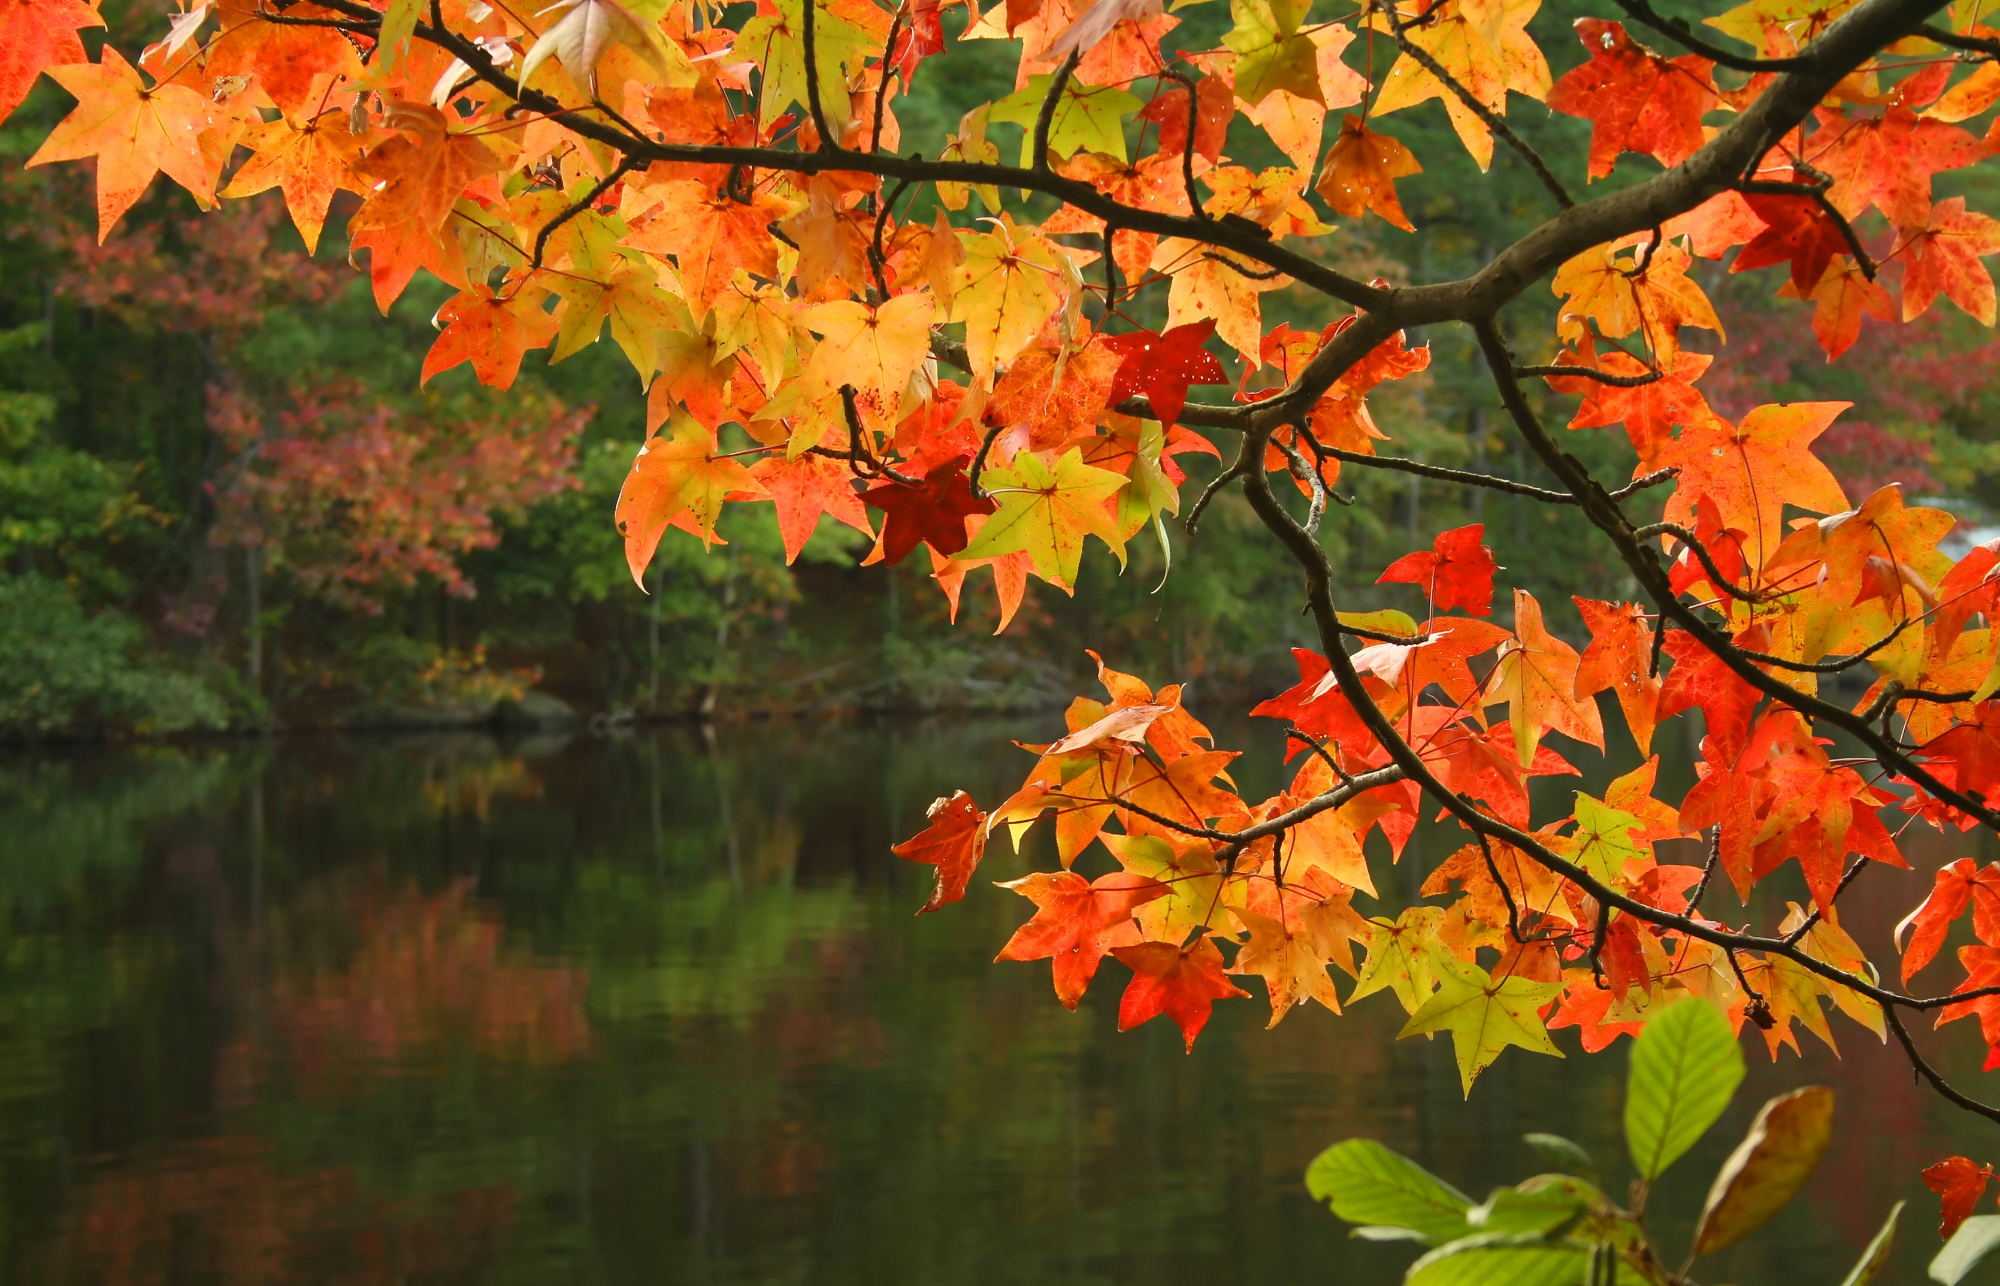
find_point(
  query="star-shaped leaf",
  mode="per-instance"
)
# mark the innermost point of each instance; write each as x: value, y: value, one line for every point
x: 932, y: 513
x: 1088, y: 118
x: 1046, y: 512
x: 1077, y: 923
x: 1456, y: 571
x: 1161, y: 366
x: 674, y: 474
x: 1182, y: 984
x: 134, y: 130
x: 1484, y: 1015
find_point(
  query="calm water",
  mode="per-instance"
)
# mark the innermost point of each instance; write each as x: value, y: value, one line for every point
x: 656, y: 1009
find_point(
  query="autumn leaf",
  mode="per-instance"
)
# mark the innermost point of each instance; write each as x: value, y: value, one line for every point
x: 1077, y: 923
x: 954, y: 842
x: 1619, y: 657
x: 492, y: 334
x: 1961, y: 1184
x: 1217, y: 286
x: 1484, y: 1015
x: 309, y: 160
x: 1361, y: 172
x: 1537, y: 678
x: 932, y: 513
x: 1271, y: 53
x: 1046, y: 512
x: 1008, y: 287
x: 711, y: 237
x: 1182, y: 984
x: 1944, y: 259
x: 417, y: 176
x: 1087, y: 118
x: 874, y: 349
x: 1635, y: 100
x: 1162, y: 366
x: 674, y: 474
x: 36, y: 35
x: 1797, y: 231
x: 1754, y: 469
x: 1402, y: 957
x: 807, y: 486
x: 1456, y: 571
x: 1484, y: 46
x: 775, y: 41
x: 133, y: 130
x: 1290, y: 958
x: 587, y: 28
x: 1607, y: 286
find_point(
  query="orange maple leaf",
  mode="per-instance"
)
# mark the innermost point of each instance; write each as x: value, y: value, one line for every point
x: 37, y: 35
x: 492, y: 334
x: 133, y: 130
x: 307, y: 159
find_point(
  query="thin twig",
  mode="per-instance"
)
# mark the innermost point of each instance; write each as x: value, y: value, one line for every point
x: 1046, y: 117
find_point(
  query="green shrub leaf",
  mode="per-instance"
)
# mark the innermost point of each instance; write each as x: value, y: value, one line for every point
x: 1685, y: 1066
x: 1366, y: 1183
x: 1967, y: 1249
x: 1877, y: 1254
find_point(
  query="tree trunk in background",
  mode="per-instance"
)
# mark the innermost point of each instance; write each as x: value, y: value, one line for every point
x: 253, y: 629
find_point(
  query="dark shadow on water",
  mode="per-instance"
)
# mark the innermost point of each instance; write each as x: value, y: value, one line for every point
x: 459, y: 1009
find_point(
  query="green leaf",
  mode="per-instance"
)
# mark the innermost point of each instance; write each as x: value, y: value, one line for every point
x: 1087, y: 117
x: 399, y: 23
x: 1776, y: 1157
x: 1500, y: 1259
x: 1967, y: 1249
x: 1366, y: 1183
x: 1685, y: 1066
x: 776, y: 43
x: 1540, y: 1210
x: 1385, y: 621
x: 1563, y: 1155
x: 1877, y: 1254
x: 1270, y: 52
x: 1047, y: 513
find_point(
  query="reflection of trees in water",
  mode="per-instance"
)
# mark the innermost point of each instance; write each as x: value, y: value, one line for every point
x: 447, y: 1010
x: 361, y: 976
x: 220, y: 1209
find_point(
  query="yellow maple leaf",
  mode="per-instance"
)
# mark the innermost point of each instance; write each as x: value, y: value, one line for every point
x: 1484, y: 1015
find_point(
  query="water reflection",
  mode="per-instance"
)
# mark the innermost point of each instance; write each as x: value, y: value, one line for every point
x: 457, y: 1010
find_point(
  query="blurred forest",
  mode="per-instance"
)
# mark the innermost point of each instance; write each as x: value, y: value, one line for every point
x: 226, y: 500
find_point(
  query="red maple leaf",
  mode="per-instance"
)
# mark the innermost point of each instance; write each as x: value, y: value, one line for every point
x: 806, y: 487
x: 932, y: 512
x: 1077, y: 923
x: 1954, y: 888
x: 1651, y: 412
x: 1950, y: 248
x: 1961, y: 1184
x: 1974, y: 748
x: 1456, y: 571
x: 492, y: 334
x: 1796, y: 230
x: 1635, y: 100
x: 1183, y: 985
x: 923, y: 37
x: 1215, y: 107
x: 1162, y: 366
x: 1701, y: 678
x: 953, y: 842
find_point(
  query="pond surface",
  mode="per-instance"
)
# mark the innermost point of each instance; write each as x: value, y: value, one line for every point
x: 656, y: 1008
